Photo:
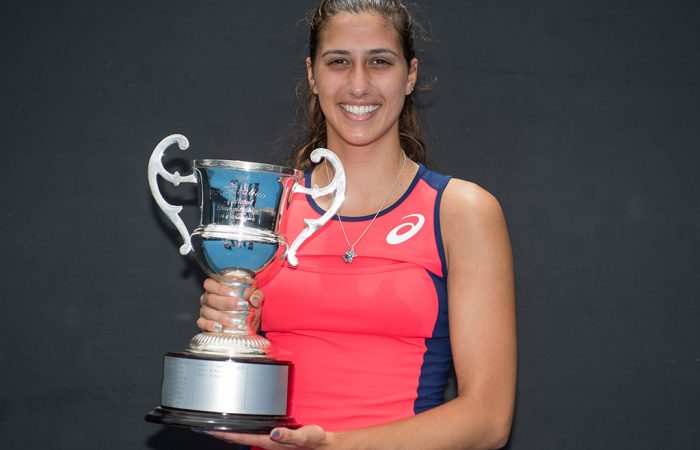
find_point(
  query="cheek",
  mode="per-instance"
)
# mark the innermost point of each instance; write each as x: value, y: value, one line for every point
x: 324, y: 88
x: 394, y: 88
x: 396, y: 96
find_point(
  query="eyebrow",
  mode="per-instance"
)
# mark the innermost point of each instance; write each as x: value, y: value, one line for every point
x: 374, y: 51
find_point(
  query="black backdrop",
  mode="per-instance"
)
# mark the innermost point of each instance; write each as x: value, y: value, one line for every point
x: 582, y: 117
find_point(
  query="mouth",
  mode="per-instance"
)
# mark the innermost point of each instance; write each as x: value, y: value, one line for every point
x: 359, y: 110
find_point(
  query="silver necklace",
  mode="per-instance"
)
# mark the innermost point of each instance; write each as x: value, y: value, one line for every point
x: 350, y: 254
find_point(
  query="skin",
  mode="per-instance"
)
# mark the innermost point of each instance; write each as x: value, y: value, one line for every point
x: 360, y: 62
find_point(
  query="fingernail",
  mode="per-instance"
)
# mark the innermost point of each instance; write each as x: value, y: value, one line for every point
x: 197, y: 430
x: 218, y: 327
x: 233, y: 293
x: 255, y: 300
x: 275, y: 434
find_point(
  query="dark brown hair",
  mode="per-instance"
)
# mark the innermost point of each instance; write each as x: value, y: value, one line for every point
x: 315, y: 122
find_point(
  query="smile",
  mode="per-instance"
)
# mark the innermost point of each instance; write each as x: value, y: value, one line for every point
x: 359, y: 110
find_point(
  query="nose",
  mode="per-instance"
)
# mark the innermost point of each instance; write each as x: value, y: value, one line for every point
x: 359, y: 82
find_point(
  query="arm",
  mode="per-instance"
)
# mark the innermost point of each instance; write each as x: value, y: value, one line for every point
x: 482, y: 327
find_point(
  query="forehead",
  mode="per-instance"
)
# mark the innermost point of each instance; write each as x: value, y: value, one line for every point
x: 359, y: 31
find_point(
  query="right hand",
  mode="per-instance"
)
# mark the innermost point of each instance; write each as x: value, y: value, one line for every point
x: 219, y: 298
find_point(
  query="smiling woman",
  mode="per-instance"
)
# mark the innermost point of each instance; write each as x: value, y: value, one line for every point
x: 396, y: 16
x: 412, y: 277
x: 361, y: 80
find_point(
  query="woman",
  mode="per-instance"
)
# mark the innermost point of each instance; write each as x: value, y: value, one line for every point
x: 370, y: 317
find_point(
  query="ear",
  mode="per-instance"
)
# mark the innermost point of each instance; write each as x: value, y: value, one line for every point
x: 310, y: 76
x: 412, y: 76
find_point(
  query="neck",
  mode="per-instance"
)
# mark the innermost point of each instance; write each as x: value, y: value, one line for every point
x: 376, y: 177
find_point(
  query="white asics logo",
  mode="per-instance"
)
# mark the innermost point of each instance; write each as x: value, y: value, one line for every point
x: 405, y: 231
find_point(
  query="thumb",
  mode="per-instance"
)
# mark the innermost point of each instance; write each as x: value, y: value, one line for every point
x: 256, y: 298
x: 255, y: 320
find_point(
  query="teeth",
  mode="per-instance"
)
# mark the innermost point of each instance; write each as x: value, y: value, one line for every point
x: 360, y: 110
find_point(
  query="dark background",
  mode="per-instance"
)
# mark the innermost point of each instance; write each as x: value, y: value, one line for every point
x: 581, y: 116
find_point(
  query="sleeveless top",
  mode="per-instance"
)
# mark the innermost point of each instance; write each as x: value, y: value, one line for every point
x: 369, y: 340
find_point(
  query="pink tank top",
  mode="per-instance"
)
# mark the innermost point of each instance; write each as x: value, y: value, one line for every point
x: 369, y: 340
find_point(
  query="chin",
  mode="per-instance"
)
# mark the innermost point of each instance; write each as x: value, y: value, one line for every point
x: 360, y: 139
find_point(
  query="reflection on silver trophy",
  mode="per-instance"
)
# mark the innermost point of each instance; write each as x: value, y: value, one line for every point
x: 229, y: 380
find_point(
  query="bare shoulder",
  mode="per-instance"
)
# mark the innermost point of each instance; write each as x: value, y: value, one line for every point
x: 471, y: 218
x: 464, y: 201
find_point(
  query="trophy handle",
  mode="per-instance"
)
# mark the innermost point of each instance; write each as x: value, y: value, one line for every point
x: 337, y: 185
x: 155, y: 168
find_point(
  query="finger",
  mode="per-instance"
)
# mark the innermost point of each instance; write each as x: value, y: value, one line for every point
x: 227, y: 319
x: 209, y: 325
x: 255, y: 440
x: 256, y: 298
x: 306, y: 436
x: 212, y: 286
x: 254, y: 320
x: 208, y: 313
x: 221, y: 303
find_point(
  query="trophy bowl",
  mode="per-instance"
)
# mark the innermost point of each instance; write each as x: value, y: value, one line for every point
x: 230, y: 380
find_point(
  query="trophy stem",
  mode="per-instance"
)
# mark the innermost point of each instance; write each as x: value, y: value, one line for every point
x: 239, y: 318
x: 237, y: 339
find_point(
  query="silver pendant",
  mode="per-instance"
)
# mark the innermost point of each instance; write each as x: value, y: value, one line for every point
x: 349, y: 255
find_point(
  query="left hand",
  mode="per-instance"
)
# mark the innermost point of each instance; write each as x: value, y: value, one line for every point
x: 309, y: 437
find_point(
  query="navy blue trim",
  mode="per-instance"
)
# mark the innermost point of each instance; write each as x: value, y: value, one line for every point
x: 318, y: 209
x: 437, y: 360
x: 439, y: 183
x: 438, y: 230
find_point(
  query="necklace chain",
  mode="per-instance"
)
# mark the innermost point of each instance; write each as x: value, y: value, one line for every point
x: 350, y: 254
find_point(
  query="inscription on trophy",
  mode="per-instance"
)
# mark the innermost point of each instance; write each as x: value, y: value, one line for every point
x: 238, y: 204
x: 178, y: 384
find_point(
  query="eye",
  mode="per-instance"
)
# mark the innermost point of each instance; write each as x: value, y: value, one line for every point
x: 337, y: 62
x: 380, y: 62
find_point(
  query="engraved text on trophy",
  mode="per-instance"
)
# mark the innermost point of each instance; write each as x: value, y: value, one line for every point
x: 235, y: 204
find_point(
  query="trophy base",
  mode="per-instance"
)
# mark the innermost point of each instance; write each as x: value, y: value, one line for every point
x: 238, y: 423
x: 246, y: 395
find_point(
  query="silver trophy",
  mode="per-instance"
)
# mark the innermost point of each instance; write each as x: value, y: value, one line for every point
x: 230, y: 380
